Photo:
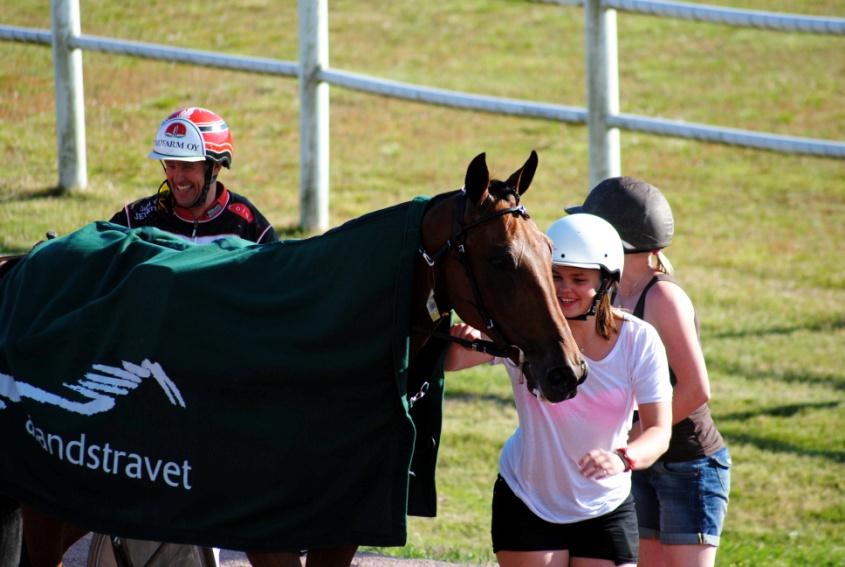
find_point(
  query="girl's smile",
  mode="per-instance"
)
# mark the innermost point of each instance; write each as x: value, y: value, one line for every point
x: 575, y: 288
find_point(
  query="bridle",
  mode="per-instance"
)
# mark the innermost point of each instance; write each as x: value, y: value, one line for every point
x: 457, y: 244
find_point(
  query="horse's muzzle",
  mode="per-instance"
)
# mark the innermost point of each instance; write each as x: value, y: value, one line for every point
x: 560, y: 383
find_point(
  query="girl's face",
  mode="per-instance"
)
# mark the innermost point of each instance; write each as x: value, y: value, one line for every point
x: 575, y: 288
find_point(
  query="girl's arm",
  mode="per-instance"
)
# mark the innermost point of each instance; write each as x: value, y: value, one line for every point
x: 655, y: 431
x: 670, y: 311
x: 459, y: 357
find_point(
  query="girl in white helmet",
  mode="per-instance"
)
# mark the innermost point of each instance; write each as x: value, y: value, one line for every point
x: 563, y: 495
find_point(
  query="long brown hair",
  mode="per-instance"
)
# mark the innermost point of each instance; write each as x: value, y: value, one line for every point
x: 606, y: 324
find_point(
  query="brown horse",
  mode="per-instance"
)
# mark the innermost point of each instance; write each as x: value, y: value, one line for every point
x: 481, y: 255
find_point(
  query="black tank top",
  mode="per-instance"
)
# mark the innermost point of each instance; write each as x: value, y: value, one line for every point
x: 695, y: 436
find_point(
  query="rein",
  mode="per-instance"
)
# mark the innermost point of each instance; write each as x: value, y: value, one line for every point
x: 457, y: 244
x: 479, y: 345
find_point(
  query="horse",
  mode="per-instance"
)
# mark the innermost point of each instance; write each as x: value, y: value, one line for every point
x: 481, y: 255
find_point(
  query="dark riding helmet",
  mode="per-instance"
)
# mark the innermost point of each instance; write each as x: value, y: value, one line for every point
x: 637, y: 210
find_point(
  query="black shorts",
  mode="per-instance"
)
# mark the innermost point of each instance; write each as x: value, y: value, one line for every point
x: 515, y: 527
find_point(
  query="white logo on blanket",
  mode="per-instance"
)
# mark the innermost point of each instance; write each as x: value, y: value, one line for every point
x: 101, y: 388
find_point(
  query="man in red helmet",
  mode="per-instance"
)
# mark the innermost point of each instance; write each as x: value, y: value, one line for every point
x: 193, y: 144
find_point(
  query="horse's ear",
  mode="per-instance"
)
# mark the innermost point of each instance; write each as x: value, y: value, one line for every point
x: 522, y: 177
x: 477, y: 179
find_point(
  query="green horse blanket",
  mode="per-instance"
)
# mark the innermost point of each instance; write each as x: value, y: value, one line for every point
x: 234, y: 394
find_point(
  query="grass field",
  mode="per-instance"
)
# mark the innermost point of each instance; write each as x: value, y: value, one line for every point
x: 759, y: 235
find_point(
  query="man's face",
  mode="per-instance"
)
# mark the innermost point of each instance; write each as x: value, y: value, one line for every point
x: 186, y: 179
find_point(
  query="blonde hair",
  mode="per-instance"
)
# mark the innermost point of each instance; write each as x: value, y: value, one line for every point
x: 663, y: 263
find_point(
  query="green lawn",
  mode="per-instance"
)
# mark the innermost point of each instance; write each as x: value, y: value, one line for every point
x: 759, y: 235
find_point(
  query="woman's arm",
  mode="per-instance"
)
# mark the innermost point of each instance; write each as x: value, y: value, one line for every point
x: 655, y: 432
x: 670, y: 311
x: 643, y: 451
x: 459, y: 357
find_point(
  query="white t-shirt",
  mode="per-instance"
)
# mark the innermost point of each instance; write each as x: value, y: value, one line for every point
x: 540, y: 460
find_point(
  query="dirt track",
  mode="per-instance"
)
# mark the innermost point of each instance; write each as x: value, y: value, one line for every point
x: 78, y: 554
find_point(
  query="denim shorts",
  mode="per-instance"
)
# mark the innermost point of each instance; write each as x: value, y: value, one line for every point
x: 686, y: 502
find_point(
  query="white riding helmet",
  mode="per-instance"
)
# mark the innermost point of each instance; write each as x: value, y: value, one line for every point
x: 587, y: 241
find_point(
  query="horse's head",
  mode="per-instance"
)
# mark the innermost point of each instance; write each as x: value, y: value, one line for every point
x: 498, y: 276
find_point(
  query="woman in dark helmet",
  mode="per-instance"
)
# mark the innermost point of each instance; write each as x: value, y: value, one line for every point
x: 682, y: 499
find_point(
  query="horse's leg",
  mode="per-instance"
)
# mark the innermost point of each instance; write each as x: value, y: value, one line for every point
x: 273, y: 559
x: 340, y: 556
x: 10, y: 532
x: 47, y: 538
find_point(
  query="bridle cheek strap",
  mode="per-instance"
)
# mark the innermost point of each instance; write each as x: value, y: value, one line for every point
x: 457, y: 244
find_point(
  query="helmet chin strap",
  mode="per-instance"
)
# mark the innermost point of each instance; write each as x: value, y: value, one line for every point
x: 210, y: 179
x: 600, y: 292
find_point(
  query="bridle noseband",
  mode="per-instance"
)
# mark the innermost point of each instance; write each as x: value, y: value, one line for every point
x: 457, y: 244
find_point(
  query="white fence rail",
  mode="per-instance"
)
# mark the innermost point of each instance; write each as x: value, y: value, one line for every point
x: 601, y: 115
x: 719, y: 15
x: 731, y: 16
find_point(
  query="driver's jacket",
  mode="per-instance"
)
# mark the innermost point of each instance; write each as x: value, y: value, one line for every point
x: 230, y: 215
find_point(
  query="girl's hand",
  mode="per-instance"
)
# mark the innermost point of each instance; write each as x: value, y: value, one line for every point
x: 459, y: 357
x: 599, y: 464
x: 464, y: 331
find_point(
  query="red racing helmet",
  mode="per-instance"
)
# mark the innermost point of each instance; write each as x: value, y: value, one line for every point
x: 194, y: 134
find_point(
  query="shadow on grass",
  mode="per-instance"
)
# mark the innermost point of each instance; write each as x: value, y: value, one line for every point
x: 779, y: 411
x: 292, y: 232
x: 778, y: 446
x: 13, y: 251
x: 470, y: 397
x: 812, y: 326
x: 24, y: 196
x: 835, y: 381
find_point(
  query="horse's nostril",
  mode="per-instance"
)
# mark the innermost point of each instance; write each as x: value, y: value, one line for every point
x: 561, y: 385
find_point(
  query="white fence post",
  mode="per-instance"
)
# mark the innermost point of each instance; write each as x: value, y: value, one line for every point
x: 70, y: 100
x: 313, y: 115
x: 602, y: 91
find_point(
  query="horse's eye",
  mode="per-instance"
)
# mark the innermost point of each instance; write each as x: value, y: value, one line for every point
x: 503, y: 261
